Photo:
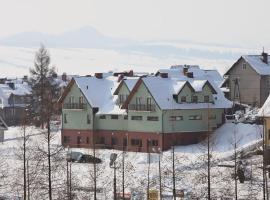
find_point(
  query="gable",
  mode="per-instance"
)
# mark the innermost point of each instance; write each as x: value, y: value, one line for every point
x: 237, y: 68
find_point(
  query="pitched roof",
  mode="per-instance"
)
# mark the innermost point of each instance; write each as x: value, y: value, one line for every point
x: 163, y: 89
x: 130, y: 83
x: 20, y: 89
x: 99, y: 93
x: 256, y: 62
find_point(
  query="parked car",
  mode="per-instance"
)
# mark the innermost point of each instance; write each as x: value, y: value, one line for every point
x: 74, y: 156
x: 84, y: 158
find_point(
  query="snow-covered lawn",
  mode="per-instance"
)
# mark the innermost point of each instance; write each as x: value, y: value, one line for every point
x: 190, y: 164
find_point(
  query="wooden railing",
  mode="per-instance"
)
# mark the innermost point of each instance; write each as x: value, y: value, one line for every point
x: 74, y: 106
x: 142, y: 107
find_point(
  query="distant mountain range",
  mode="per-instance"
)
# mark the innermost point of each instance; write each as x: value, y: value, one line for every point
x: 89, y: 37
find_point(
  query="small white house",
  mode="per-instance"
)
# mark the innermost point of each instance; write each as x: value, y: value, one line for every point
x: 3, y: 128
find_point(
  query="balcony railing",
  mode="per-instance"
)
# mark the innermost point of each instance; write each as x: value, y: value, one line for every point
x: 142, y: 107
x: 74, y: 106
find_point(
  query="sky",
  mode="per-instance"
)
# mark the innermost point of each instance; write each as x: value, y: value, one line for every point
x: 241, y: 23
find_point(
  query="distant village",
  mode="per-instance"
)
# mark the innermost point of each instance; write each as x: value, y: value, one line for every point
x: 143, y: 112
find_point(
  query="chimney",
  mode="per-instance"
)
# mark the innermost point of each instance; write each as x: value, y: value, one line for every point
x: 185, y: 70
x: 120, y: 77
x: 164, y: 75
x: 265, y: 57
x: 99, y: 75
x: 25, y: 78
x: 190, y: 74
x: 11, y: 85
x: 64, y: 77
x: 130, y: 73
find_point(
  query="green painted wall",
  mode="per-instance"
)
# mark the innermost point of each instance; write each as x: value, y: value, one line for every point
x: 144, y: 125
x: 186, y: 91
x: 76, y: 119
x: 123, y: 91
x: 111, y: 124
x: 186, y: 124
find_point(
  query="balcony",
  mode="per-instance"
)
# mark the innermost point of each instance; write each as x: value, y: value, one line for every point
x: 142, y: 107
x: 74, y: 106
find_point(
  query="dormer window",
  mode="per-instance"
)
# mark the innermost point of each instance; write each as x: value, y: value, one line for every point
x: 183, y: 99
x: 194, y: 99
x: 244, y: 66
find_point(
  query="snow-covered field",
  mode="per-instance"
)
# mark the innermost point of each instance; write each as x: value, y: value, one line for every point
x: 16, y: 61
x: 190, y: 164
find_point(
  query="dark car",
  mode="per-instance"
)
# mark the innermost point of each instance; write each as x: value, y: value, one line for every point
x: 84, y: 158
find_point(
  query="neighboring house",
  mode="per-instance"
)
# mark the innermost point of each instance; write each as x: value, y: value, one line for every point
x: 140, y: 113
x: 248, y: 80
x: 264, y: 113
x: 14, y: 97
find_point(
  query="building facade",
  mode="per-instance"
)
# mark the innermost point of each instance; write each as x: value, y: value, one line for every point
x: 248, y: 80
x: 140, y: 114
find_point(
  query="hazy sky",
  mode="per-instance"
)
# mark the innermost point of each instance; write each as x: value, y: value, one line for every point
x: 229, y: 22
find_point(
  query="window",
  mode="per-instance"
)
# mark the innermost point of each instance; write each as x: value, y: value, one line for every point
x: 148, y: 103
x: 183, y: 99
x: 244, y: 66
x: 268, y: 135
x: 176, y: 118
x: 136, y: 142
x: 136, y: 117
x: 114, y: 141
x: 71, y: 99
x: 206, y: 98
x: 66, y: 139
x: 79, y: 140
x: 212, y: 116
x: 153, y: 142
x: 65, y: 118
x: 88, y: 119
x: 195, y: 117
x: 194, y: 99
x: 125, y: 117
x: 81, y: 100
x: 102, y: 117
x: 152, y: 118
x: 114, y: 116
x: 122, y: 98
x: 101, y: 140
x: 138, y: 102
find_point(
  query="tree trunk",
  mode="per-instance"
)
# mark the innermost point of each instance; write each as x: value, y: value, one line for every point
x: 49, y: 159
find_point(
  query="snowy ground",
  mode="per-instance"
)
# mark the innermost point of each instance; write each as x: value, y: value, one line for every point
x: 190, y: 166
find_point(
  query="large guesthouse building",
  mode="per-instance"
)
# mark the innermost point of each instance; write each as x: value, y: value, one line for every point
x: 176, y: 107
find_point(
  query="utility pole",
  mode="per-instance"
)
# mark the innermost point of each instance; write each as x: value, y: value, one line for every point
x: 159, y: 171
x: 148, y: 170
x: 123, y: 172
x: 208, y: 155
x: 173, y: 166
x: 235, y: 165
x: 113, y: 158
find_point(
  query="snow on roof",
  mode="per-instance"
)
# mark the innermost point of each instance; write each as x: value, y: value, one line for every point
x: 20, y: 89
x: 198, y: 73
x: 163, y: 89
x: 198, y: 85
x: 257, y: 64
x: 99, y: 93
x: 265, y: 109
x: 130, y: 82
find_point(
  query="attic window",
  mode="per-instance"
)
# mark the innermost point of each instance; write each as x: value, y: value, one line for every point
x: 206, y: 98
x: 244, y: 66
x: 183, y: 99
x: 194, y: 99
